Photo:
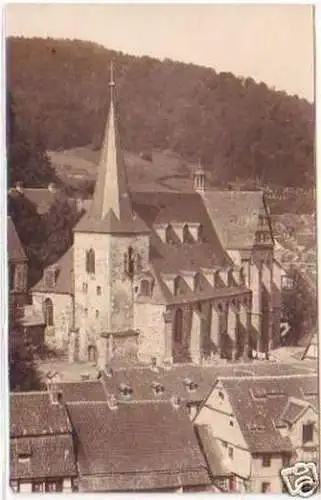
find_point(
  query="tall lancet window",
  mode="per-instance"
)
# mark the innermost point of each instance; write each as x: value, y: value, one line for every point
x: 90, y: 262
x: 129, y: 262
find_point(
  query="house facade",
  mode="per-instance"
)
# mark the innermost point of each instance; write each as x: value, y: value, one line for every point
x: 261, y: 425
x: 178, y: 277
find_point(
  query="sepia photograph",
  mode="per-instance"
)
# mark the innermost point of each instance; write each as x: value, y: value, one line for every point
x: 161, y: 248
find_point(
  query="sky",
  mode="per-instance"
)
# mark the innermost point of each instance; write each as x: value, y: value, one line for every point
x: 270, y: 43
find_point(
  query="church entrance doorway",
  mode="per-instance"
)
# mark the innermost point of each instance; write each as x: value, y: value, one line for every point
x: 92, y: 354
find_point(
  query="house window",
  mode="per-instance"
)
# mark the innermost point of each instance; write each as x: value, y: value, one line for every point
x: 90, y: 262
x: 37, y: 487
x: 230, y: 452
x: 14, y: 486
x: 265, y: 487
x: 53, y: 486
x: 85, y: 288
x: 307, y: 433
x: 97, y: 313
x: 98, y: 290
x: 221, y: 395
x: 12, y: 272
x: 231, y: 422
x: 266, y: 461
x: 86, y: 311
x: 145, y: 288
x: 48, y: 310
x: 286, y: 461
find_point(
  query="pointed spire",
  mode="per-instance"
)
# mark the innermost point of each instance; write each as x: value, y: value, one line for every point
x: 111, y: 209
x: 111, y: 191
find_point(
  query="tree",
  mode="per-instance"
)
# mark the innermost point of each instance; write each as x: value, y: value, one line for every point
x: 23, y: 372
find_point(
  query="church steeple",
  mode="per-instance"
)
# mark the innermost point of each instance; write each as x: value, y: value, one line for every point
x: 111, y: 209
x: 111, y: 191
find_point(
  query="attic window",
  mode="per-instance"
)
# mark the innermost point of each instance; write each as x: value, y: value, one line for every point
x: 259, y: 393
x: 24, y: 457
x: 190, y: 384
x: 125, y: 390
x: 158, y: 388
x: 221, y: 395
x: 231, y: 422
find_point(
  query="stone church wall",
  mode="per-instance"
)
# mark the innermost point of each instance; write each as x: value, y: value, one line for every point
x: 148, y: 319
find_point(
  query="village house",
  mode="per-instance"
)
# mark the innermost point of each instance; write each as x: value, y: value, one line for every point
x: 42, y: 456
x: 100, y: 445
x: 260, y: 425
x: 180, y: 277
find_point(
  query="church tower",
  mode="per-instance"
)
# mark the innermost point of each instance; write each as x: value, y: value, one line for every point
x: 111, y: 246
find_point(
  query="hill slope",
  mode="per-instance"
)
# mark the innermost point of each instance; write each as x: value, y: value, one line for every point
x: 240, y: 129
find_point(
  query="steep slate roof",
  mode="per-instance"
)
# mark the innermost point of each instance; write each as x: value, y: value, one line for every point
x: 111, y: 210
x: 258, y: 404
x: 235, y: 215
x: 136, y: 447
x: 33, y: 414
x: 64, y: 276
x: 15, y: 248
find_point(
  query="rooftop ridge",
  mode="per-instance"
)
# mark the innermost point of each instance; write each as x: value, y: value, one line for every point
x: 268, y: 377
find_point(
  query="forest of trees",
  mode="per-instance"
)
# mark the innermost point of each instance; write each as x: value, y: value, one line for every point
x: 239, y: 128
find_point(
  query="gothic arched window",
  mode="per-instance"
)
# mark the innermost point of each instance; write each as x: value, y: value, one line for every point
x: 145, y: 288
x: 129, y: 262
x: 48, y: 311
x: 178, y: 326
x: 90, y: 261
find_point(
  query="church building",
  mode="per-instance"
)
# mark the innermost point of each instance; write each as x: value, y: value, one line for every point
x: 165, y: 276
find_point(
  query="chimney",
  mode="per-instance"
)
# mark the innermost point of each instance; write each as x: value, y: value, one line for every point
x: 176, y: 401
x: 52, y: 187
x: 112, y: 402
x: 154, y: 367
x: 19, y: 187
x: 109, y: 371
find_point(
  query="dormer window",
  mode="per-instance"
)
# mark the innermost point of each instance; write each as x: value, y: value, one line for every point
x: 158, y: 388
x: 200, y: 233
x: 186, y: 234
x: 90, y: 261
x: 169, y: 235
x: 24, y: 457
x: 190, y: 384
x: 198, y: 285
x: 125, y: 390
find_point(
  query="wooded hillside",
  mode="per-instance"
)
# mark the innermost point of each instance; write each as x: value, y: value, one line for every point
x: 239, y: 128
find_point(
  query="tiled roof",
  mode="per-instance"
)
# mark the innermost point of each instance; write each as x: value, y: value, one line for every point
x: 146, y: 439
x: 212, y: 452
x: 64, y: 276
x: 15, y: 248
x: 258, y: 403
x: 33, y: 414
x: 235, y: 215
x: 89, y: 390
x: 50, y: 456
x: 173, y: 380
